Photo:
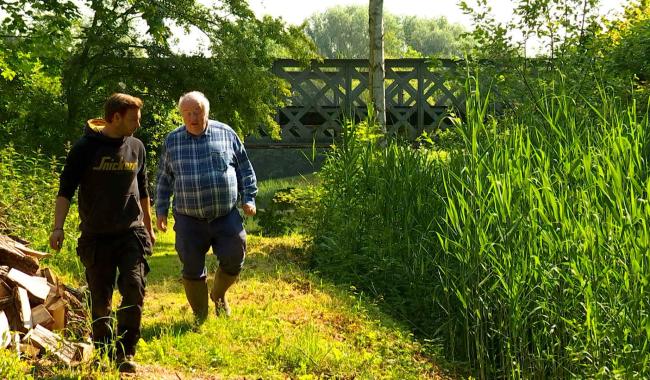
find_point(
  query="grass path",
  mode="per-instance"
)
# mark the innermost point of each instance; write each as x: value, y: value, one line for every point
x: 286, y: 323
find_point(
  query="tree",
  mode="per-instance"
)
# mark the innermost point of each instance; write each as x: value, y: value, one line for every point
x: 342, y: 32
x: 627, y: 42
x: 80, y: 58
x: 435, y: 37
x: 376, y: 71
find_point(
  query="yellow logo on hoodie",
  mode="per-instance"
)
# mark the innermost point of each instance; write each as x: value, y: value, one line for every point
x: 109, y: 164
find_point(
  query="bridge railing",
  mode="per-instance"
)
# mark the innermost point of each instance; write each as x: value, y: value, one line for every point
x: 419, y: 94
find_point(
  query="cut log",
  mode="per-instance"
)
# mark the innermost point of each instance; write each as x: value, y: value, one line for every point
x: 51, y: 296
x: 52, y: 343
x: 49, y: 276
x: 57, y: 310
x: 24, y: 309
x: 74, y: 304
x: 40, y: 316
x: 5, y: 331
x: 30, y: 252
x: 5, y: 290
x: 77, y: 293
x: 18, y: 239
x: 36, y: 286
x: 13, y: 316
x: 6, y: 295
x: 16, y: 343
x: 14, y: 258
x: 29, y: 350
x: 84, y: 352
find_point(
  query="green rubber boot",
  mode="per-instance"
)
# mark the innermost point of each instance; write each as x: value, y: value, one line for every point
x: 196, y: 292
x: 222, y: 281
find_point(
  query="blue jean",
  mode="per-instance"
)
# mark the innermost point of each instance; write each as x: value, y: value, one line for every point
x: 194, y: 237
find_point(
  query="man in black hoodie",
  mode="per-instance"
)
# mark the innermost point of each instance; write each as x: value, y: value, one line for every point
x: 108, y: 166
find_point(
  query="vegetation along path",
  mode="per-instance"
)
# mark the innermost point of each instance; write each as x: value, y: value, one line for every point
x: 286, y: 323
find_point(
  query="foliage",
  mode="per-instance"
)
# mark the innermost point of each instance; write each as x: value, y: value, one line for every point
x: 545, y: 38
x: 11, y: 367
x: 435, y: 37
x: 33, y: 42
x: 628, y: 39
x: 60, y: 61
x: 290, y: 210
x: 342, y: 32
x: 29, y: 181
x: 549, y: 26
x: 526, y: 251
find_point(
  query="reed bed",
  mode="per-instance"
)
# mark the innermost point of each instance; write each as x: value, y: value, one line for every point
x: 524, y: 253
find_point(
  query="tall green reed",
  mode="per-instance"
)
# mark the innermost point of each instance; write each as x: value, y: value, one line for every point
x: 525, y: 252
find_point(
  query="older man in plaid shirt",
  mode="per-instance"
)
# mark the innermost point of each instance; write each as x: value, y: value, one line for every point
x: 205, y: 166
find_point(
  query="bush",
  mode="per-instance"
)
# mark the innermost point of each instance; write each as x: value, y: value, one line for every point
x: 290, y: 210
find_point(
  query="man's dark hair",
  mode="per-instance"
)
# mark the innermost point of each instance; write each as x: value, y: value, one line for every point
x: 120, y: 103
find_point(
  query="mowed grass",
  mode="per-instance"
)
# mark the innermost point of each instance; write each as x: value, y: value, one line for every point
x: 286, y: 323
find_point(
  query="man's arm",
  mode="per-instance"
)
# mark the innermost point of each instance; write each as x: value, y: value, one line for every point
x: 143, y: 190
x: 146, y: 210
x: 246, y: 180
x: 61, y: 208
x: 164, y: 189
x: 68, y: 183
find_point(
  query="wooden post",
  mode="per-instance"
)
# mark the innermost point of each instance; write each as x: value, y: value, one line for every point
x: 420, y: 101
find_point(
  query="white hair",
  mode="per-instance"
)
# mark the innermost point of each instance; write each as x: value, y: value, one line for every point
x: 198, y: 97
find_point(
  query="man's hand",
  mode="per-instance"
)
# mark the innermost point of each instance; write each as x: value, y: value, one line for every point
x: 249, y: 209
x: 56, y: 239
x: 152, y: 236
x: 161, y: 222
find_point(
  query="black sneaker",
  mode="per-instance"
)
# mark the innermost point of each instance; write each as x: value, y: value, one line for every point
x: 126, y: 364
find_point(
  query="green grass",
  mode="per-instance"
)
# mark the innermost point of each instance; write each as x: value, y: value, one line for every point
x: 287, y: 322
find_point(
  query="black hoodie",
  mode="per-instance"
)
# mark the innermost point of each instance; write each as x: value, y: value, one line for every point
x: 112, y: 178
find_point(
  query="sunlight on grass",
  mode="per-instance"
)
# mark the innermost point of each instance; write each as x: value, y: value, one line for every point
x: 286, y: 322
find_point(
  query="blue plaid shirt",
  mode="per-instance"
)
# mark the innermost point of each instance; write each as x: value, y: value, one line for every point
x: 206, y: 173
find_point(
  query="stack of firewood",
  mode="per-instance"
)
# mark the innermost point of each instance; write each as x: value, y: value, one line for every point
x: 38, y: 314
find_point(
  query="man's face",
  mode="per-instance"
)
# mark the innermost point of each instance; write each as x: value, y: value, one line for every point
x: 194, y: 116
x: 129, y: 122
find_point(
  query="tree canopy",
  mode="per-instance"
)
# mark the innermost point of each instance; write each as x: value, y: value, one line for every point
x: 60, y: 60
x: 342, y: 32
